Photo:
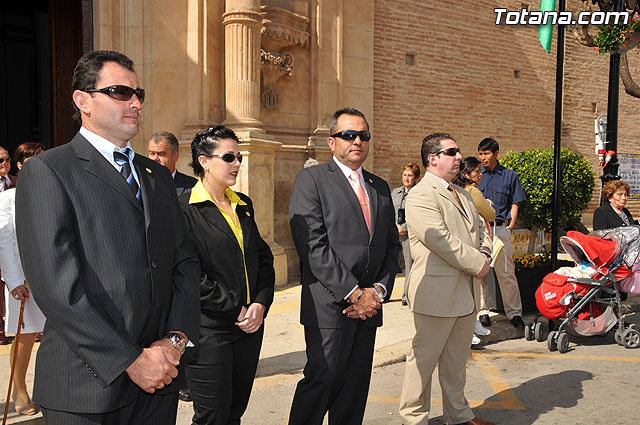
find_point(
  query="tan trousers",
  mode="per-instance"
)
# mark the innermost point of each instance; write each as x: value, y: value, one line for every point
x: 506, y: 274
x: 445, y: 342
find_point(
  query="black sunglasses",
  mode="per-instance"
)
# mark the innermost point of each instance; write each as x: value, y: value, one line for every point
x: 2, y: 160
x: 449, y: 152
x: 119, y: 92
x: 350, y: 135
x: 227, y: 157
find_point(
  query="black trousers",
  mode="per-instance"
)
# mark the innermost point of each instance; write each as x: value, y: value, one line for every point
x: 336, y: 376
x: 220, y: 376
x: 147, y: 409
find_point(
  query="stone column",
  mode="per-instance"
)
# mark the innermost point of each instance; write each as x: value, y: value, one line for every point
x: 242, y: 23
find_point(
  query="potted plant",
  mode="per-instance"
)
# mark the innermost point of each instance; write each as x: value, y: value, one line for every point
x: 617, y: 38
x: 535, y: 171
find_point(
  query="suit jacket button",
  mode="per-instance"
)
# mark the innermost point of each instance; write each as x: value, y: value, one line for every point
x: 153, y: 264
x: 156, y: 303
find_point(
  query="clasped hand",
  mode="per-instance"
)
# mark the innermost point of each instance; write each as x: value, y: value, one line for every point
x: 364, y: 308
x: 156, y: 366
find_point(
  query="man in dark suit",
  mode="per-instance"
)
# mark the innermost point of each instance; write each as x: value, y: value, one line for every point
x: 342, y: 223
x: 164, y: 149
x: 103, y: 246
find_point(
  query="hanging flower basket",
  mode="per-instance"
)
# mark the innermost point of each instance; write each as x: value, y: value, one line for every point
x: 617, y: 38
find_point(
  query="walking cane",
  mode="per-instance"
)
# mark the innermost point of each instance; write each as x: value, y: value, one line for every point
x: 13, y: 363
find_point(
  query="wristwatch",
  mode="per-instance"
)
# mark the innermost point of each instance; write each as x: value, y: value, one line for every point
x: 378, y: 292
x: 177, y: 340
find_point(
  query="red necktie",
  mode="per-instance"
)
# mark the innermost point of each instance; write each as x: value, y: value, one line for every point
x: 354, y: 179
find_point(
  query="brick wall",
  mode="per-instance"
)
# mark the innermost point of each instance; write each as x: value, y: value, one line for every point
x: 474, y: 79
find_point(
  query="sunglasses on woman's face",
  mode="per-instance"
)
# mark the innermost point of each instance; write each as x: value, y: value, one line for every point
x: 123, y: 93
x: 227, y: 157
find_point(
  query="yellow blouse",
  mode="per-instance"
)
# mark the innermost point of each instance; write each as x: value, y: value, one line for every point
x: 200, y: 194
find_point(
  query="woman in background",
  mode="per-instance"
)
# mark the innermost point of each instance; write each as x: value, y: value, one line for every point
x: 469, y: 175
x: 410, y: 175
x: 612, y: 213
x: 16, y: 291
x: 237, y: 280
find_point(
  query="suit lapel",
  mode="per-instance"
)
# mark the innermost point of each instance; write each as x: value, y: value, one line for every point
x: 245, y: 222
x: 97, y: 165
x: 213, y: 215
x: 341, y: 181
x: 147, y: 186
x: 443, y: 191
x: 373, y: 200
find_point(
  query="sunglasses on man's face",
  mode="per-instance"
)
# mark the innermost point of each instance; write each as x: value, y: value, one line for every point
x: 5, y: 160
x: 123, y: 93
x: 351, y: 135
x: 449, y: 152
x: 227, y: 157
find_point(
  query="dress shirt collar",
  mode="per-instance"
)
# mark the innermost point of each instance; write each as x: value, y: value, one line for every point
x: 347, y: 171
x: 199, y: 194
x: 498, y: 169
x: 105, y: 147
x: 442, y: 181
x: 174, y: 173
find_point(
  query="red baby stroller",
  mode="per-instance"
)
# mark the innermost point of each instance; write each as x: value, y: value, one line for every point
x: 587, y: 298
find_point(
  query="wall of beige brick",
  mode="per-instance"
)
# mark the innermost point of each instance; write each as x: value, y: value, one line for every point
x: 474, y: 79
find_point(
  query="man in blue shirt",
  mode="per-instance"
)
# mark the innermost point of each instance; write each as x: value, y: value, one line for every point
x: 502, y: 186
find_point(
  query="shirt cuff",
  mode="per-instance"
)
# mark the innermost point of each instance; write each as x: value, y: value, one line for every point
x: 350, y: 292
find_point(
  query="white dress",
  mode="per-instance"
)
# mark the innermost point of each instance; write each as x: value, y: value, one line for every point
x: 12, y: 271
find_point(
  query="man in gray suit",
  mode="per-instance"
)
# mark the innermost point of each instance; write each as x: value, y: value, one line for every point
x: 165, y: 149
x: 103, y: 246
x: 342, y: 223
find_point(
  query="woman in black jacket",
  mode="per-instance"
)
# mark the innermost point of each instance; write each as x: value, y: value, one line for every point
x: 236, y: 287
x: 612, y: 213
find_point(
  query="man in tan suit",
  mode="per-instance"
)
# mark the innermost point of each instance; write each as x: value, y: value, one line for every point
x: 449, y: 246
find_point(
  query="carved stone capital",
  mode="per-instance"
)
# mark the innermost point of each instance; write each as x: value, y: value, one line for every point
x: 273, y: 66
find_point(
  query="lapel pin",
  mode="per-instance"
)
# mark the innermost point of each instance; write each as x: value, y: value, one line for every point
x: 149, y: 170
x: 247, y: 213
x: 370, y: 181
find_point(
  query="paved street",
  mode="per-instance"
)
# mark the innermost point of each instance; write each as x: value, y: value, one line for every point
x: 510, y: 381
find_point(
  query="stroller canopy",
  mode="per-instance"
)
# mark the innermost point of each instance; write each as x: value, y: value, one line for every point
x: 595, y: 250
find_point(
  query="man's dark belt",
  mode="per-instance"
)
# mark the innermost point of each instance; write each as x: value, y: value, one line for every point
x: 501, y: 222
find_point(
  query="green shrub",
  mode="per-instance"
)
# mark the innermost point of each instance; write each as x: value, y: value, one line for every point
x: 535, y: 170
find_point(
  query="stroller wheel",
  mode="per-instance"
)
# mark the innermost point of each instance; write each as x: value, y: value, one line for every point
x: 563, y: 342
x: 539, y: 331
x: 631, y: 338
x: 552, y: 344
x: 528, y: 332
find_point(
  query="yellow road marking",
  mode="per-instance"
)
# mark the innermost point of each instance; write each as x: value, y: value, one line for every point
x: 556, y: 356
x: 508, y: 398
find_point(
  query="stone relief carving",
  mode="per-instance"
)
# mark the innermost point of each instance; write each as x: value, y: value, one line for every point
x: 280, y: 28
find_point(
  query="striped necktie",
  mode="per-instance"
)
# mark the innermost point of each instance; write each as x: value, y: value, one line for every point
x: 354, y: 178
x: 122, y: 159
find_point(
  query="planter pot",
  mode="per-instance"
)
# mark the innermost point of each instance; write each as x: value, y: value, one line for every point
x: 528, y: 281
x: 629, y: 43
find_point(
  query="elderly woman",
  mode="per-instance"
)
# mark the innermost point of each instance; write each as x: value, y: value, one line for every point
x: 410, y: 175
x: 612, y: 212
x: 16, y: 291
x: 470, y: 175
x: 236, y: 287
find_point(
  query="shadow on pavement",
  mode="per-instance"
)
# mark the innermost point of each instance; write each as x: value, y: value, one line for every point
x: 289, y: 363
x: 538, y: 397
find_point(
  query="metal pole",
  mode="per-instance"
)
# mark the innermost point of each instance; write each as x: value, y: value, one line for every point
x: 610, y: 171
x: 557, y: 135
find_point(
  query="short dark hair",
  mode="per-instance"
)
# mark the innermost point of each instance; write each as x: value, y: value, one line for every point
x: 87, y: 71
x: 170, y: 138
x: 467, y: 165
x: 345, y: 111
x: 489, y: 144
x: 431, y: 144
x: 205, y: 142
x: 27, y: 150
